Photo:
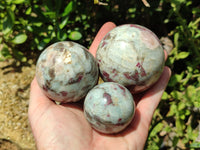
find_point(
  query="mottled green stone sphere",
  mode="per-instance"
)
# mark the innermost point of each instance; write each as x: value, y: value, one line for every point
x: 131, y: 55
x: 66, y: 71
x: 109, y: 107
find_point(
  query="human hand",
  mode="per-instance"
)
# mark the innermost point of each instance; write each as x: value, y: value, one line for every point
x: 62, y: 127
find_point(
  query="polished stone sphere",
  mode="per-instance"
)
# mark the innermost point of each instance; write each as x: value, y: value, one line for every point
x: 66, y: 71
x: 109, y: 107
x: 131, y: 55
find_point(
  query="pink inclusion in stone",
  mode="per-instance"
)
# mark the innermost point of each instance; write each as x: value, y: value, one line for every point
x: 106, y: 36
x: 134, y: 77
x: 108, y: 98
x: 138, y: 65
x: 143, y: 73
x: 127, y: 75
x: 114, y: 71
x: 137, y: 26
x: 103, y: 44
x: 122, y: 88
x: 63, y: 93
x: 80, y: 78
x: 107, y: 76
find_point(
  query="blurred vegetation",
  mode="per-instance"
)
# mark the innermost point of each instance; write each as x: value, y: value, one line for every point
x: 28, y: 26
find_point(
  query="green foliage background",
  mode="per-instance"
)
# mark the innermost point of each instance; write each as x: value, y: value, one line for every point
x: 28, y: 26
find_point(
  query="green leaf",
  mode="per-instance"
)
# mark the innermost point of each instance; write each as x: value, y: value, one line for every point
x: 19, y: 39
x: 173, y: 110
x: 165, y: 96
x: 195, y: 145
x: 181, y: 106
x: 18, y: 1
x: 63, y: 23
x: 43, y: 43
x: 11, y: 14
x: 182, y: 55
x: 157, y: 129
x: 167, y: 129
x: 61, y: 34
x: 166, y: 21
x: 5, y: 53
x: 8, y: 21
x: 12, y: 8
x: 29, y: 28
x: 176, y: 95
x: 179, y: 126
x: 96, y: 1
x: 37, y: 24
x: 50, y: 14
x: 28, y: 11
x: 75, y: 35
x: 19, y: 55
x: 176, y: 79
x: 175, y: 141
x: 69, y: 8
x: 190, y: 92
x: 176, y: 39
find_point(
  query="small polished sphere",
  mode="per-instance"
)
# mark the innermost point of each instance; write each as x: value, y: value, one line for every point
x: 109, y: 107
x: 66, y: 71
x: 131, y: 55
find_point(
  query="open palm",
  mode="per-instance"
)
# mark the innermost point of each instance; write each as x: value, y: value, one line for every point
x: 63, y: 127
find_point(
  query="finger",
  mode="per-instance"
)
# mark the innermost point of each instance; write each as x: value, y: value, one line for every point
x: 152, y: 97
x: 166, y: 55
x: 37, y: 98
x: 145, y: 109
x: 102, y: 32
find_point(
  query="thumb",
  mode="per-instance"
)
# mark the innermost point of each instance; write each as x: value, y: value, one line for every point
x: 38, y: 100
x: 102, y: 32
